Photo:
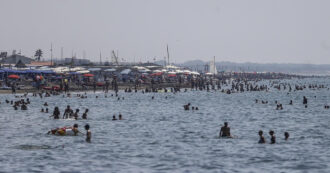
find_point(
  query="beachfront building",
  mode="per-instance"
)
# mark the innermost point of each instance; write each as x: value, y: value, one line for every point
x: 15, y: 58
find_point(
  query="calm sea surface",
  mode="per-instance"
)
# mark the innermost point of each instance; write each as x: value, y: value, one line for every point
x: 159, y: 136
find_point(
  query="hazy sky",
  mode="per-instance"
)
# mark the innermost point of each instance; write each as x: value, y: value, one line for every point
x: 280, y: 31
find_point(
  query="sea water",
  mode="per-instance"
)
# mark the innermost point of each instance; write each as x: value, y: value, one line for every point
x: 157, y: 135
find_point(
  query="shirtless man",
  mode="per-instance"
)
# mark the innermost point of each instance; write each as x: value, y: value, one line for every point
x: 225, y: 131
x: 68, y: 111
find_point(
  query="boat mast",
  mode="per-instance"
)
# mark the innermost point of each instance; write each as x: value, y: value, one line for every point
x: 168, y: 56
x: 51, y: 54
x: 214, y: 65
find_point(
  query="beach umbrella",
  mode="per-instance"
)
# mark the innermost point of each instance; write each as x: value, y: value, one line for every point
x: 88, y: 75
x: 13, y: 76
x: 157, y: 74
x: 171, y: 75
x: 110, y: 70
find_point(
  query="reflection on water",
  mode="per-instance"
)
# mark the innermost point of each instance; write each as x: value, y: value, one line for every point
x: 159, y: 136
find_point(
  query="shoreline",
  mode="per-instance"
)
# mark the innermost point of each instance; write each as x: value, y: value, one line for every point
x: 120, y: 87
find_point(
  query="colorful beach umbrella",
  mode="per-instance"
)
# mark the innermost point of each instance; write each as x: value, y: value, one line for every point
x: 13, y: 76
x: 88, y: 75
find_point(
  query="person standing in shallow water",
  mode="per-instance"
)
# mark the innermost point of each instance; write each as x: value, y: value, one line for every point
x: 272, y: 137
x: 88, y: 133
x: 225, y: 131
x: 84, y: 116
x: 262, y: 138
x: 286, y: 135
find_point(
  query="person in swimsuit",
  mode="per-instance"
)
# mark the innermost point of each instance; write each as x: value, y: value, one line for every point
x: 262, y: 138
x: 71, y: 131
x: 84, y: 116
x: 272, y: 137
x: 225, y: 131
x: 56, y: 113
x: 286, y: 135
x: 75, y: 115
x: 88, y: 133
x: 68, y: 111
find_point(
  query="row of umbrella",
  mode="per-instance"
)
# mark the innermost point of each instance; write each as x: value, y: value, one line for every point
x: 14, y: 76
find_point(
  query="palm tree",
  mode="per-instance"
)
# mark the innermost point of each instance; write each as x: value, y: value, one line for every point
x: 38, y: 54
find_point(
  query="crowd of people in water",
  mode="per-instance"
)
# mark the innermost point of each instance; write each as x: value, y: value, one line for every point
x: 224, y: 86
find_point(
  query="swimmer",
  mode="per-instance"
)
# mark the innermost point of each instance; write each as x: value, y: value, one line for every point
x: 84, y: 116
x: 46, y: 110
x: 273, y: 138
x: 88, y: 133
x: 225, y: 131
x: 72, y: 131
x: 120, y: 116
x: 114, y: 118
x: 45, y: 104
x: 56, y: 113
x: 304, y: 100
x: 262, y: 138
x: 68, y: 111
x: 42, y: 110
x: 75, y: 115
x: 286, y: 135
x: 23, y: 107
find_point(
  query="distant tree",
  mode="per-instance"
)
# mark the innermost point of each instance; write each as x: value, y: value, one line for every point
x: 38, y: 54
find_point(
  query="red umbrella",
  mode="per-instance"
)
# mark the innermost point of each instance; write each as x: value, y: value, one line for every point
x: 157, y: 74
x: 172, y: 75
x: 13, y: 76
x: 88, y: 75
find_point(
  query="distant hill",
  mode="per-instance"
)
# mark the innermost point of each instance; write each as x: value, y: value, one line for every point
x: 307, y: 69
